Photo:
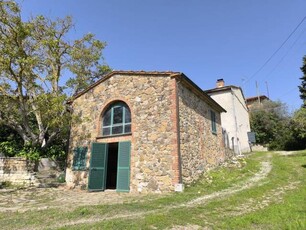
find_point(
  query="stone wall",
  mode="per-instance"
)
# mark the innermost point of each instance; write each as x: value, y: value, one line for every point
x: 200, y: 148
x: 16, y: 170
x: 153, y: 140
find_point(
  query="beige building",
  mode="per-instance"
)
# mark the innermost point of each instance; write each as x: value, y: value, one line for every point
x: 235, y: 122
x: 139, y: 131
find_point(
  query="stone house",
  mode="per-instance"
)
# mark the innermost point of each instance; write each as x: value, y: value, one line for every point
x: 143, y: 132
x: 235, y: 122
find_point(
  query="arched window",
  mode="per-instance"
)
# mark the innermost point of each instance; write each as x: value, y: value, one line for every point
x: 116, y: 120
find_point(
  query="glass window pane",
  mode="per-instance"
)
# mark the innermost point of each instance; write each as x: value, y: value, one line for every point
x: 107, y: 118
x: 118, y: 114
x: 117, y: 130
x: 127, y: 129
x: 106, y: 131
x: 127, y: 115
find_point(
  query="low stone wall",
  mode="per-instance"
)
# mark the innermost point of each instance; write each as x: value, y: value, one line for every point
x: 259, y: 148
x: 17, y: 171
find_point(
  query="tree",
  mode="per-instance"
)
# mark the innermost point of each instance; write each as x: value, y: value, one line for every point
x: 302, y: 88
x: 270, y: 121
x: 276, y: 129
x: 299, y: 128
x: 35, y: 58
x: 10, y: 141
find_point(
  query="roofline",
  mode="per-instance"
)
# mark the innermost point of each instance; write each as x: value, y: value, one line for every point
x: 109, y: 75
x: 225, y: 88
x: 201, y: 93
x: 256, y: 98
x: 177, y: 75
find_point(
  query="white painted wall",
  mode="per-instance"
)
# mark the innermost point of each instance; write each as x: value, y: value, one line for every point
x: 236, y: 120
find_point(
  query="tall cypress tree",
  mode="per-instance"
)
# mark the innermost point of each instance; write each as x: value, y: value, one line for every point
x: 302, y: 87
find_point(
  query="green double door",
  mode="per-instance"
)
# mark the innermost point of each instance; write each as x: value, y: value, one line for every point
x: 110, y: 166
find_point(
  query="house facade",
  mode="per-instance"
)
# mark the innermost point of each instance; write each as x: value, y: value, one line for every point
x: 235, y: 122
x: 137, y: 131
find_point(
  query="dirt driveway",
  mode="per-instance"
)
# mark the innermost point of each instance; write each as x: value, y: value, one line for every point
x: 42, y: 198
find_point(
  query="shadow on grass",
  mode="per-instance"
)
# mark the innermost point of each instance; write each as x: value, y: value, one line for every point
x: 304, y: 166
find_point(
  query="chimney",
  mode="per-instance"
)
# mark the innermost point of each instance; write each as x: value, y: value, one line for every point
x: 220, y: 83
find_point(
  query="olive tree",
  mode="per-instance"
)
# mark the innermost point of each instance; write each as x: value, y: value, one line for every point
x: 40, y: 68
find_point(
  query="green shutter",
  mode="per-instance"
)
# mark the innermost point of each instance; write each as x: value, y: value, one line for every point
x: 76, y: 154
x: 213, y: 121
x: 82, y: 158
x: 79, y: 158
x: 123, y: 174
x: 97, y: 170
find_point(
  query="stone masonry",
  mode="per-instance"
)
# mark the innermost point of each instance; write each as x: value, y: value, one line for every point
x: 148, y: 98
x: 170, y: 139
x: 200, y: 148
x: 17, y: 171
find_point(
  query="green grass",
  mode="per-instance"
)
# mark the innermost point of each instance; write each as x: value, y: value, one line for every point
x: 270, y: 205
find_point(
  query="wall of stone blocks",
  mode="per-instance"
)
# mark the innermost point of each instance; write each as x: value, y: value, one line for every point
x: 153, y: 141
x: 16, y: 170
x: 200, y: 148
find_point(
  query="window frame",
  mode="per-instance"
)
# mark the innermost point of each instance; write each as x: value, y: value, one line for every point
x: 213, y: 122
x: 79, y: 158
x: 112, y: 125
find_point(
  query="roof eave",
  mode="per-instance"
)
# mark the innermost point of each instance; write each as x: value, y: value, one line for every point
x: 197, y: 90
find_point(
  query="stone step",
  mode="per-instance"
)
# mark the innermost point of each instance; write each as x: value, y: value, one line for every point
x: 48, y: 178
x: 49, y: 185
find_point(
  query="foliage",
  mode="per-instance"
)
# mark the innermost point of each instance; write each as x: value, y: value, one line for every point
x: 7, y: 134
x: 5, y: 184
x: 298, y: 130
x: 299, y: 118
x: 34, y: 57
x: 275, y: 128
x: 10, y: 141
x: 29, y: 152
x: 8, y: 148
x: 12, y: 145
x: 61, y: 178
x: 269, y: 120
x: 302, y: 87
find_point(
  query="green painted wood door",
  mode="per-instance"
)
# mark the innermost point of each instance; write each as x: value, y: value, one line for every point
x: 97, y: 169
x: 123, y: 173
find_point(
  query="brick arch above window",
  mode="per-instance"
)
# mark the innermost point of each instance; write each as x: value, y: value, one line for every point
x: 116, y: 119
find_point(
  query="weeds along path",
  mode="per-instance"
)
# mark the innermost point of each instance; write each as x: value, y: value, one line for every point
x: 257, y: 179
x: 273, y: 196
x: 259, y: 176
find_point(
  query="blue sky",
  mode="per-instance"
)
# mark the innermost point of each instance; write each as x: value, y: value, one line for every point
x: 204, y: 39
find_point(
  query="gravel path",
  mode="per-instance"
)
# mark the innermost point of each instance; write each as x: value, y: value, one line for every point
x: 43, y: 198
x: 251, y: 182
x: 39, y: 199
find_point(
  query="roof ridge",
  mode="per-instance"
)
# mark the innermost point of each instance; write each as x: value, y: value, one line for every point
x: 145, y: 72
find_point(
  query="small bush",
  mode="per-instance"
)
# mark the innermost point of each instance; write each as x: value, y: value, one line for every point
x: 9, y: 148
x: 61, y: 178
x: 5, y: 184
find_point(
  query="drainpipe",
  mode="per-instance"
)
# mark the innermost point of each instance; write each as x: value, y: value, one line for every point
x: 236, y: 125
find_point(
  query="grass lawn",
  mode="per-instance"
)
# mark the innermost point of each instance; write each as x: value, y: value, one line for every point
x: 277, y: 201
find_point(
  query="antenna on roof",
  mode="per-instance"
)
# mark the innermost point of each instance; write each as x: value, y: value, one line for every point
x: 258, y: 97
x: 267, y: 89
